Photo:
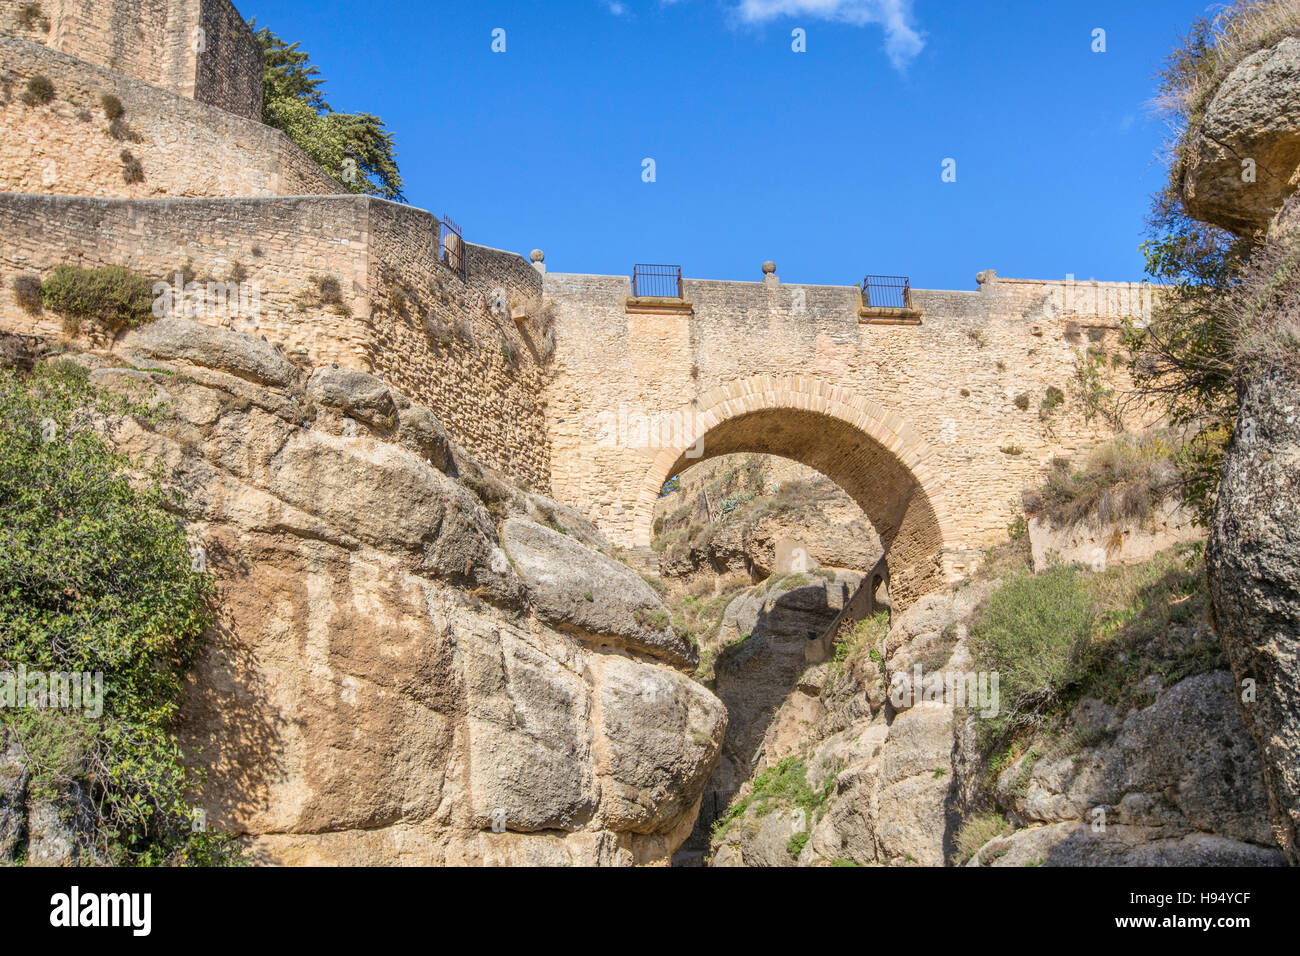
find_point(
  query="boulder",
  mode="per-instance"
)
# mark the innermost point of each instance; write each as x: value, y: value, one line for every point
x: 1254, y: 116
x: 575, y: 588
x: 354, y: 393
x: 187, y: 341
x: 1079, y: 844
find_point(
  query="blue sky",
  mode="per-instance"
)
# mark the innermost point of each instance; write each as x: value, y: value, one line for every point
x: 828, y: 162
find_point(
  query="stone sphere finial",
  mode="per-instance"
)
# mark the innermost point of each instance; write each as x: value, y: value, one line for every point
x: 538, y: 256
x: 769, y: 268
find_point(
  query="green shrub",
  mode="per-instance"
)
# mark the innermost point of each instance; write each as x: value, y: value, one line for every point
x: 1034, y: 633
x: 1053, y: 399
x: 113, y: 296
x: 27, y: 293
x: 39, y: 91
x: 976, y: 831
x: 97, y: 576
x: 112, y: 106
x: 1022, y: 401
x: 132, y: 168
x: 783, y: 786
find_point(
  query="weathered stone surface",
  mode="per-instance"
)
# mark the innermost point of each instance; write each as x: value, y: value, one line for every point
x: 193, y: 342
x: 573, y: 587
x: 1254, y: 569
x: 375, y: 692
x: 1097, y: 546
x: 1078, y: 844
x: 13, y: 795
x: 60, y: 832
x: 1216, y: 786
x: 660, y: 734
x: 1253, y: 116
x: 357, y: 394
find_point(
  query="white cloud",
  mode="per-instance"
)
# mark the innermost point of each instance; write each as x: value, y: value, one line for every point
x: 902, y: 40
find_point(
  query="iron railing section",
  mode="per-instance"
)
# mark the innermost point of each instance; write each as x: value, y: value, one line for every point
x: 451, y: 245
x: 887, y: 292
x: 656, y: 281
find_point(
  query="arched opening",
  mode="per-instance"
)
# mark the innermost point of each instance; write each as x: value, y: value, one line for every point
x: 868, y: 451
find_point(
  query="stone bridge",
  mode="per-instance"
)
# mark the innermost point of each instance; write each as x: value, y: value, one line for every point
x: 932, y: 418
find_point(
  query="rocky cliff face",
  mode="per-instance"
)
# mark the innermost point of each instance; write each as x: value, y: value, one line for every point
x: 1254, y: 561
x: 1254, y: 551
x: 416, y: 661
x: 888, y: 778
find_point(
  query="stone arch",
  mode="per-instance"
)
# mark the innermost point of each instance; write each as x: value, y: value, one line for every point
x: 863, y: 447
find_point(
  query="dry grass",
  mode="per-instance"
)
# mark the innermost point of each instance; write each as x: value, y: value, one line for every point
x: 1125, y: 478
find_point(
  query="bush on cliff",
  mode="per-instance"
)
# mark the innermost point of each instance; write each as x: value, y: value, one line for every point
x: 96, y: 577
x: 1057, y: 637
x: 115, y: 297
x: 355, y: 148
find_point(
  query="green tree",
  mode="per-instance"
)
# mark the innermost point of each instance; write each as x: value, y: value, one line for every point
x: 96, y: 576
x: 355, y: 148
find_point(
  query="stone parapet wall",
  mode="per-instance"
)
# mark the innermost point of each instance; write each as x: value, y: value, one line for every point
x: 184, y: 147
x: 401, y: 312
x: 201, y: 49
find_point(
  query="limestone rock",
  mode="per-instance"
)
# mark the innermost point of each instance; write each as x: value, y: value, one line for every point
x: 357, y: 394
x: 374, y: 692
x: 60, y: 832
x: 1254, y: 570
x: 13, y: 795
x: 572, y: 586
x: 1145, y: 775
x: 216, y: 348
x: 1078, y: 844
x: 1255, y: 116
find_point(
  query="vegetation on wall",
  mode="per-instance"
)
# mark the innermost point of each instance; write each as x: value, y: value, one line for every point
x: 114, y: 297
x: 39, y: 91
x: 1122, y: 479
x: 355, y: 148
x: 96, y: 576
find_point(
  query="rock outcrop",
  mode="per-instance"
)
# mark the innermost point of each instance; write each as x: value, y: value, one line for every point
x: 1254, y: 550
x: 1254, y: 564
x: 893, y: 778
x: 1244, y: 155
x: 393, y: 680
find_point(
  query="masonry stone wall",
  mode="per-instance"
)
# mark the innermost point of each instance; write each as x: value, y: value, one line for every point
x: 402, y: 312
x: 201, y: 49
x: 184, y: 147
x: 937, y: 399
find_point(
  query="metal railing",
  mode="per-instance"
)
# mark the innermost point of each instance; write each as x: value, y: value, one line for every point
x: 451, y: 245
x: 887, y: 292
x: 656, y: 281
